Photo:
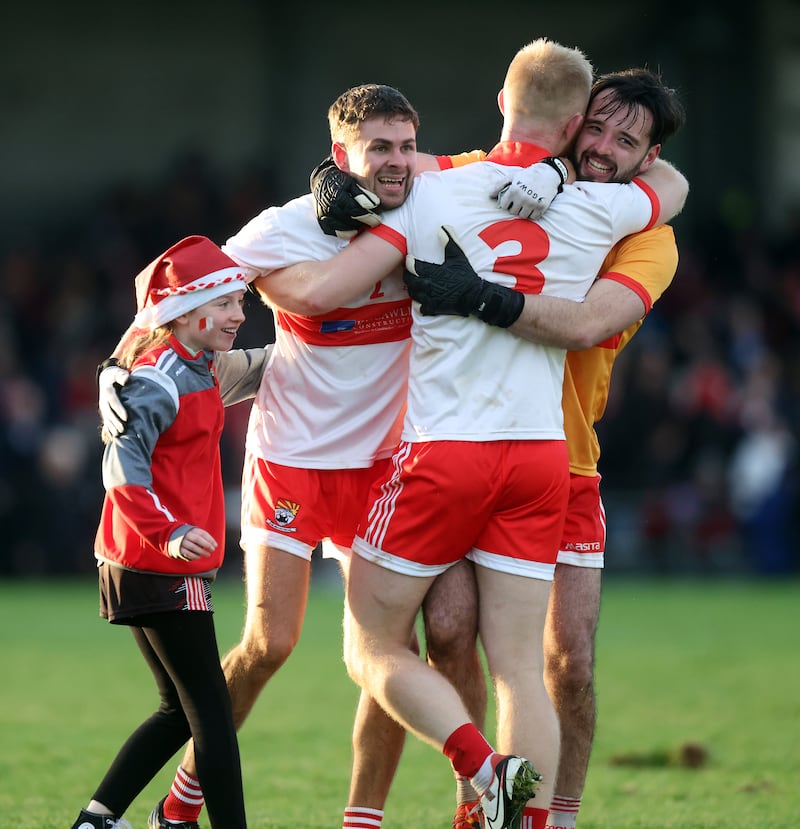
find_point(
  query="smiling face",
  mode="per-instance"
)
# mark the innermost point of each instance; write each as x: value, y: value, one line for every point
x: 613, y: 144
x: 382, y: 158
x: 212, y: 326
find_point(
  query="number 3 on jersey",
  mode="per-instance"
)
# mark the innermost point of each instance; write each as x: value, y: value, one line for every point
x: 534, y: 248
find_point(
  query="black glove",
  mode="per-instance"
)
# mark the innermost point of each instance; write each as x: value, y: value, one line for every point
x: 343, y: 207
x: 454, y: 288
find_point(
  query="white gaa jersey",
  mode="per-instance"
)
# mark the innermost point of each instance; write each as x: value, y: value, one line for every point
x: 476, y: 382
x: 333, y: 391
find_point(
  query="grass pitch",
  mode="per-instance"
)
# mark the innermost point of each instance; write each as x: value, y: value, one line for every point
x: 713, y: 664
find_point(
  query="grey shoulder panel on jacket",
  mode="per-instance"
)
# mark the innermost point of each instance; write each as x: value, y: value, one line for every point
x: 160, y: 378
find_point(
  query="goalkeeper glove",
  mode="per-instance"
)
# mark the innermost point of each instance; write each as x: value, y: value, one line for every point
x: 454, y: 288
x: 343, y: 207
x: 530, y: 193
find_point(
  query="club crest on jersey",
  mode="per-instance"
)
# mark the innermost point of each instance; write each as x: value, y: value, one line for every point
x: 285, y: 512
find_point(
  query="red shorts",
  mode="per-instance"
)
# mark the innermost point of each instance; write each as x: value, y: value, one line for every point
x: 295, y: 509
x: 500, y: 503
x: 584, y: 541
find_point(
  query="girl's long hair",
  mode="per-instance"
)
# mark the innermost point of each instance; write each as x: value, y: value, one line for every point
x: 138, y: 345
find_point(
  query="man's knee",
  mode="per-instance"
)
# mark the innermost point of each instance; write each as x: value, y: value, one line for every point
x: 447, y: 643
x: 571, y: 626
x: 263, y: 655
x: 451, y: 631
x: 571, y: 670
x: 450, y: 614
x: 353, y: 661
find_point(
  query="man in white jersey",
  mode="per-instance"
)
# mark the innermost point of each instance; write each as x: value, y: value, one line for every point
x: 481, y: 470
x: 315, y: 443
x: 631, y: 114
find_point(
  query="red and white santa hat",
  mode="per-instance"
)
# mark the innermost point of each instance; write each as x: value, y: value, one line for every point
x: 192, y: 272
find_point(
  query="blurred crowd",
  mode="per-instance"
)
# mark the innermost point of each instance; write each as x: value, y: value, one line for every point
x: 699, y: 440
x: 700, y: 436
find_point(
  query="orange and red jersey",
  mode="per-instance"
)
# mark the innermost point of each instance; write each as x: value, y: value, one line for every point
x: 645, y: 262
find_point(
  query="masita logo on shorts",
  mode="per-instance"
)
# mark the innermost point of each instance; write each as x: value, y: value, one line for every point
x: 285, y: 512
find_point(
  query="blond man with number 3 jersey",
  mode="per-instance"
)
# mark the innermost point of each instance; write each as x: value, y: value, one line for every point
x: 631, y: 114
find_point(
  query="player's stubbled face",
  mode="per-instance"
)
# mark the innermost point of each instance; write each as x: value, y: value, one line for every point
x: 384, y: 159
x: 614, y: 141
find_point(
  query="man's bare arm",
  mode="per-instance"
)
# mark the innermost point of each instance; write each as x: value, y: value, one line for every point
x: 454, y: 287
x: 608, y: 308
x: 313, y: 288
x: 670, y: 185
x: 427, y: 163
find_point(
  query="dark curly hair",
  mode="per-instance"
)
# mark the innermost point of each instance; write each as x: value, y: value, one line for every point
x: 641, y: 87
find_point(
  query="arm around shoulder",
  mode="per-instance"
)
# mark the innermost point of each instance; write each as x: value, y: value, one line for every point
x: 239, y: 372
x: 608, y: 308
x: 670, y: 185
x: 314, y: 288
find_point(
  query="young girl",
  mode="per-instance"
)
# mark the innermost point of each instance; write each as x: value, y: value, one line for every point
x: 161, y: 537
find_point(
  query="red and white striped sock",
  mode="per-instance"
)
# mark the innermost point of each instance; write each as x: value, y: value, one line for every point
x: 360, y: 817
x: 185, y: 799
x: 533, y: 818
x: 563, y: 812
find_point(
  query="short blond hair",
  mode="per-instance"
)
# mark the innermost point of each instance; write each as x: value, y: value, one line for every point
x: 547, y: 83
